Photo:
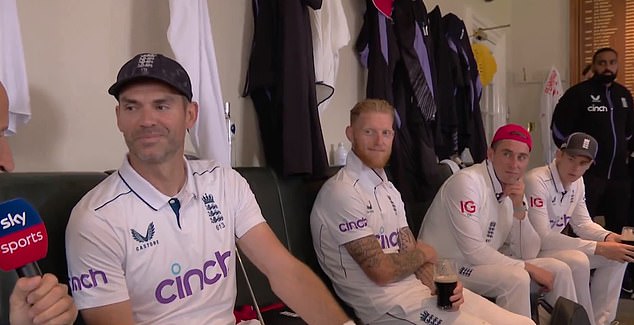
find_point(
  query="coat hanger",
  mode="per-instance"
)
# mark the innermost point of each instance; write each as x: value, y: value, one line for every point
x: 481, y: 35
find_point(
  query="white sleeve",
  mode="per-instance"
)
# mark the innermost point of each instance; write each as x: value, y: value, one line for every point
x: 96, y: 258
x: 581, y: 222
x: 538, y: 196
x: 247, y: 213
x: 336, y: 207
x: 467, y: 229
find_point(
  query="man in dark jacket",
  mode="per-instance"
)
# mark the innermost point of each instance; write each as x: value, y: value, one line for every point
x: 602, y: 108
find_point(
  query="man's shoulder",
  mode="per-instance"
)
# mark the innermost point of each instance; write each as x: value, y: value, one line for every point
x: 621, y: 89
x: 111, y: 188
x: 341, y: 186
x: 469, y: 175
x: 111, y: 191
x: 538, y: 173
x: 207, y: 168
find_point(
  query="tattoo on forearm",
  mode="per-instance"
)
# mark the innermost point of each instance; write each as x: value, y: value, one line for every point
x: 406, y: 240
x: 367, y: 252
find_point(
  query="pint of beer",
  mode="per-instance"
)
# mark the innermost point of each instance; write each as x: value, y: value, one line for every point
x: 445, y: 279
x: 627, y: 236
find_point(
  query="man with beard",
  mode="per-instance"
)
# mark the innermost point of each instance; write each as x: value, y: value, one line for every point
x: 363, y: 242
x: 602, y: 108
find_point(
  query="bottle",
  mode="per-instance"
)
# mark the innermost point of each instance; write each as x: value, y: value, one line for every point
x: 341, y: 154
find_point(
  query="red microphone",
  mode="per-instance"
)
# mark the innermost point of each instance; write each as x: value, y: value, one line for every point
x: 23, y: 238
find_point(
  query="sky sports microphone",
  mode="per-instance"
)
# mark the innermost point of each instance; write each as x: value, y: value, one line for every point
x: 23, y: 238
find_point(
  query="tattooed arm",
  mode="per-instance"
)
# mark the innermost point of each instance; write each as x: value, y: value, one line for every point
x: 425, y: 273
x: 385, y: 268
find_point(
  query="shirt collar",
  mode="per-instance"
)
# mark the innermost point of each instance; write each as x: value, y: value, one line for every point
x: 372, y: 177
x: 495, y: 181
x: 147, y: 193
x: 554, y: 173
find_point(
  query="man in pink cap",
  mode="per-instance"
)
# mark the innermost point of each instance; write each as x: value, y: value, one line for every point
x: 478, y: 218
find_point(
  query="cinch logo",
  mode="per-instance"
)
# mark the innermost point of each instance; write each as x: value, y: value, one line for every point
x: 597, y: 108
x: 87, y: 281
x: 145, y: 240
x: 353, y: 225
x: 13, y: 246
x: 388, y: 241
x: 560, y: 222
x: 536, y: 202
x: 180, y: 287
x: 596, y: 99
x: 15, y: 220
x: 468, y: 206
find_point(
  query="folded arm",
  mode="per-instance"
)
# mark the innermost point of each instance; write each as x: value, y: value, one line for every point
x: 384, y: 268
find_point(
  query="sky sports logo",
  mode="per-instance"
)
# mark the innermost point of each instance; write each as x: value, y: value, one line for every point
x: 13, y: 220
x: 13, y: 246
x: 23, y: 237
x: 18, y: 221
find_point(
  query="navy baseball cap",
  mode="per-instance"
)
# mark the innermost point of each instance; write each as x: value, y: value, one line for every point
x: 153, y: 66
x: 580, y: 144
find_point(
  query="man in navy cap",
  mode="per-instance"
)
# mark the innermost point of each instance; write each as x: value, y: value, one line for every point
x: 556, y: 196
x: 143, y: 246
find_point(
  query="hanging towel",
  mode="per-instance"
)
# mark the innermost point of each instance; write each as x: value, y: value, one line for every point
x: 189, y: 35
x: 12, y: 68
x: 551, y: 93
x: 330, y: 34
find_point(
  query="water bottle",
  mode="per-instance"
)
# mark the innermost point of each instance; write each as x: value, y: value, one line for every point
x: 341, y: 154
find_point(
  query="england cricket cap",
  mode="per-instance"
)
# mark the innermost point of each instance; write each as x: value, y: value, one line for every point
x: 580, y: 144
x: 155, y: 67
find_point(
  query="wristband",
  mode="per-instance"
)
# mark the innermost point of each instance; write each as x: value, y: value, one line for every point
x: 350, y: 322
x: 521, y: 208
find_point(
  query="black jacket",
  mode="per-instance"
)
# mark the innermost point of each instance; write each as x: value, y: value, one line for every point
x: 603, y: 112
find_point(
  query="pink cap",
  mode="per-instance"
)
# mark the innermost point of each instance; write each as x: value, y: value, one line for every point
x: 513, y: 132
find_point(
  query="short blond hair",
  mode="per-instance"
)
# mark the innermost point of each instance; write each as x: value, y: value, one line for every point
x: 370, y: 106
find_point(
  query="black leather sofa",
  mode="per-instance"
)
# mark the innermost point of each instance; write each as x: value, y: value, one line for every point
x: 285, y: 203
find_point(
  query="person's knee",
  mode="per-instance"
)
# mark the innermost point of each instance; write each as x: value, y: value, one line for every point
x: 515, y: 277
x: 561, y: 271
x: 577, y: 261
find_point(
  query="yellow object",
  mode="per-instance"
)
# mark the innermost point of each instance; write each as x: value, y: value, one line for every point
x: 486, y: 63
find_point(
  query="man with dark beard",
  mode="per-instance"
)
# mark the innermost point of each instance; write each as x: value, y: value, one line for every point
x: 602, y: 108
x: 363, y: 242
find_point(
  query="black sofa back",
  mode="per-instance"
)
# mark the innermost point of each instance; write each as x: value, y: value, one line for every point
x: 285, y: 203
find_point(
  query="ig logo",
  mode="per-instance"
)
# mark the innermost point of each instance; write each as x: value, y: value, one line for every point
x: 467, y: 206
x: 536, y: 202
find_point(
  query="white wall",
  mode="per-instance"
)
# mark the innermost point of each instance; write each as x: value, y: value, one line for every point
x: 539, y: 39
x: 74, y: 48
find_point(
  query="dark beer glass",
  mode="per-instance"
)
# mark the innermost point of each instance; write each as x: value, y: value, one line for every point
x: 445, y: 279
x: 627, y: 236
